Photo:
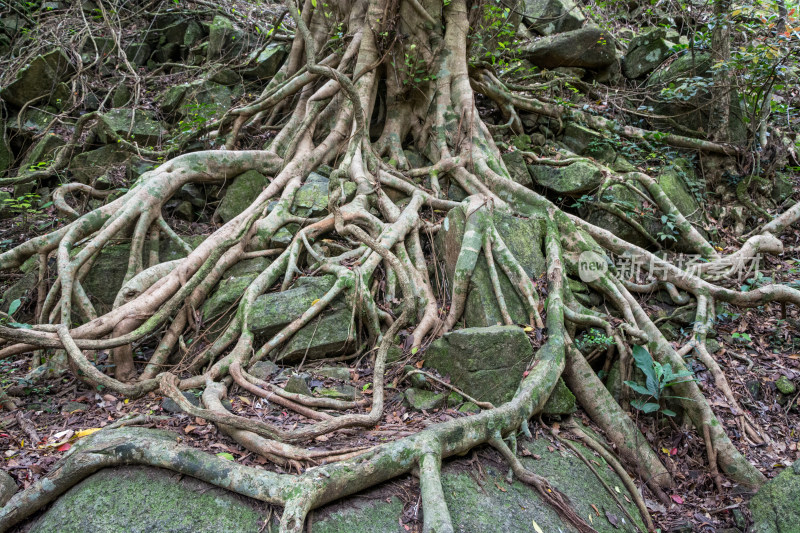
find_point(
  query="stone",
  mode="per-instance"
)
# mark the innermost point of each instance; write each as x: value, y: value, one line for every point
x: 334, y: 372
x: 561, y: 401
x: 240, y: 194
x: 224, y: 39
x: 782, y: 186
x: 298, y: 384
x: 38, y: 79
x: 588, y: 47
x: 264, y: 370
x: 138, y: 53
x: 86, y: 167
x: 424, y: 400
x: 692, y: 113
x: 547, y: 17
x: 197, y: 103
x: 232, y: 285
x: 486, y: 363
x: 6, y: 155
x: 266, y: 62
x: 138, y: 499
x: 517, y: 168
x: 522, y: 237
x: 330, y: 333
x: 23, y: 290
x: 169, y: 405
x: 646, y: 52
x: 226, y: 76
x: 418, y: 381
x: 8, y: 487
x: 581, y: 140
x: 121, y: 96
x: 574, y: 179
x: 454, y: 399
x: 71, y: 407
x: 42, y: 154
x: 133, y: 125
x: 339, y: 392
x: 469, y: 407
x: 785, y: 386
x: 774, y: 507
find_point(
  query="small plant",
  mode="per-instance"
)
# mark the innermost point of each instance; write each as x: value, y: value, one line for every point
x: 594, y: 338
x: 658, y: 378
x: 24, y: 205
x: 741, y: 337
x: 669, y: 231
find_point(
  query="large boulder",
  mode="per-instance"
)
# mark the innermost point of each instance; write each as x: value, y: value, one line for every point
x: 683, y: 92
x: 266, y: 63
x: 523, y: 238
x: 589, y: 47
x: 197, y: 102
x: 573, y: 179
x: 86, y: 167
x: 330, y: 333
x: 775, y: 506
x: 240, y: 194
x: 41, y: 78
x: 547, y: 17
x: 486, y: 363
x: 224, y: 38
x: 133, y: 125
x: 139, y: 499
x: 8, y: 487
x: 517, y: 169
x: 646, y: 52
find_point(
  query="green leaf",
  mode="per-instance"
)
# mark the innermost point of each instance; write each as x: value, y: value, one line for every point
x: 227, y: 456
x: 638, y: 388
x: 650, y: 407
x: 414, y: 350
x: 14, y: 306
x: 668, y: 412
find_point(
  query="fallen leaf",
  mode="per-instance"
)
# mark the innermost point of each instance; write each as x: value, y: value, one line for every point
x: 499, y: 487
x: 677, y: 499
x: 64, y: 447
x: 536, y: 527
x: 226, y: 455
x: 86, y: 432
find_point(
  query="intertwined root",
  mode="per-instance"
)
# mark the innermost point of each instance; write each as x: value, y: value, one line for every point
x: 380, y: 234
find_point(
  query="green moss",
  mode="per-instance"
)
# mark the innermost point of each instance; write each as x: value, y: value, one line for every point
x: 774, y: 507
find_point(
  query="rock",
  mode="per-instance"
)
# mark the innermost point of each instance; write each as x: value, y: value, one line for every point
x: 22, y: 290
x: 331, y: 333
x: 691, y: 103
x: 232, y: 285
x: 774, y: 507
x: 42, y: 154
x: 547, y: 17
x: 298, y: 384
x: 523, y: 238
x: 424, y: 400
x: 561, y: 401
x: 785, y: 386
x: 588, y: 47
x: 196, y: 103
x: 334, y: 372
x: 224, y: 39
x: 86, y: 167
x: 133, y: 125
x: 6, y: 155
x: 266, y: 62
x: 782, y: 186
x: 339, y: 392
x: 121, y: 97
x: 676, y: 180
x: 264, y: 370
x: 138, y: 53
x: 169, y: 405
x: 38, y: 79
x: 646, y: 52
x: 574, y: 179
x: 240, y: 194
x: 517, y: 169
x: 141, y: 499
x: 469, y: 407
x: 713, y: 345
x: 418, y: 381
x: 226, y: 76
x: 8, y: 487
x: 486, y: 363
x: 71, y: 407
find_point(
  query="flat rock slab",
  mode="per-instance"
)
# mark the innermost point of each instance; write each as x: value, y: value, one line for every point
x: 588, y: 47
x: 140, y: 499
x: 486, y: 363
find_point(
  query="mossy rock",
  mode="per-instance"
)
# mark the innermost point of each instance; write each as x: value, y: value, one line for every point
x: 266, y: 62
x: 517, y: 169
x: 133, y: 125
x: 547, y: 17
x: 588, y: 47
x: 42, y: 154
x: 38, y: 79
x: 561, y: 401
x: 6, y: 155
x: 523, y: 238
x: 775, y: 506
x: 424, y: 400
x: 574, y: 179
x: 240, y: 194
x: 86, y: 167
x: 224, y: 38
x: 486, y: 363
x: 646, y: 52
x: 232, y: 285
